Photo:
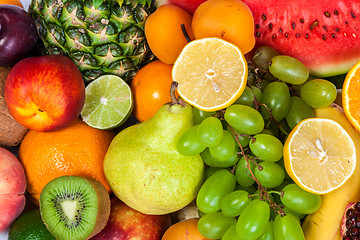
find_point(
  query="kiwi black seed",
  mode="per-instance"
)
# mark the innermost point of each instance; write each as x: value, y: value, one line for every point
x: 74, y: 207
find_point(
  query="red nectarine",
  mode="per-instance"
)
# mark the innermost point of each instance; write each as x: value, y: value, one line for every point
x: 12, y: 188
x: 45, y: 93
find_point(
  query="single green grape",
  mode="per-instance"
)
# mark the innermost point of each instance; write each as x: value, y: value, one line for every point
x: 266, y: 147
x: 199, y: 115
x: 211, y: 161
x: 288, y: 69
x: 288, y: 227
x: 234, y: 203
x: 243, y: 140
x: 300, y: 200
x: 268, y: 234
x: 189, y: 143
x: 276, y: 97
x: 318, y: 93
x: 210, y: 171
x: 250, y: 189
x: 246, y: 98
x: 263, y: 55
x: 253, y: 220
x: 242, y: 173
x: 271, y: 174
x: 210, y: 131
x: 245, y: 119
x: 299, y: 110
x: 214, y: 189
x: 296, y: 214
x: 257, y: 93
x: 214, y: 225
x: 231, y: 234
x: 225, y: 149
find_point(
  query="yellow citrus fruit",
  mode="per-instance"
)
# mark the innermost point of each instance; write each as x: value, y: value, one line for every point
x: 211, y: 73
x: 351, y: 96
x: 319, y: 155
x: 77, y: 149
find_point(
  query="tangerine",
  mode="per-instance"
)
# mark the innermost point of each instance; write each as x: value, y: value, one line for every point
x: 230, y: 20
x: 164, y: 34
x: 77, y: 149
x: 12, y: 2
x: 151, y: 89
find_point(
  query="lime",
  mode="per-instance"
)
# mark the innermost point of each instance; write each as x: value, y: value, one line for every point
x: 29, y: 226
x: 108, y: 102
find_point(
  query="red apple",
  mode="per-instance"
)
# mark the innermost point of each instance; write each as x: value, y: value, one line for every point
x: 45, y: 93
x: 126, y: 223
x: 12, y: 188
x: 189, y: 5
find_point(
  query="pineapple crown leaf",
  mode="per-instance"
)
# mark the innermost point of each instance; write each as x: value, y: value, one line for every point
x: 147, y: 3
x: 97, y: 3
x: 143, y: 3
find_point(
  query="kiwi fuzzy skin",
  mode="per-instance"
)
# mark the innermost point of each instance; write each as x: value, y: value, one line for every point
x: 104, y: 206
x: 11, y: 132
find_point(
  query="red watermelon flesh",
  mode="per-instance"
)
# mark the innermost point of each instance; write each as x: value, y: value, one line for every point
x: 323, y: 34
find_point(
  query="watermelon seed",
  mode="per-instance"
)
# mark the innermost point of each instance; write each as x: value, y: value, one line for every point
x: 270, y: 26
x: 297, y: 35
x: 314, y: 24
x: 325, y: 28
x: 301, y: 20
x: 263, y: 17
x: 333, y: 35
x: 324, y: 37
x: 286, y: 34
x: 293, y: 25
x: 327, y: 14
x: 352, y: 14
x: 336, y: 12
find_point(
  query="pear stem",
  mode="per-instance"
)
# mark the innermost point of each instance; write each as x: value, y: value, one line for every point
x: 173, y: 88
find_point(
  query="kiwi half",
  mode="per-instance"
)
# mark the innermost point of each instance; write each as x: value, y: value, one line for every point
x: 74, y: 208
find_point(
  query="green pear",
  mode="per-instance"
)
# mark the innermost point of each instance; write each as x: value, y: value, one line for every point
x: 144, y: 169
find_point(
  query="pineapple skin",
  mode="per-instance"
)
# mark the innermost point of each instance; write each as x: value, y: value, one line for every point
x: 100, y: 36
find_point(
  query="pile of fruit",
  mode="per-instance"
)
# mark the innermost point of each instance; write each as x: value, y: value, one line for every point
x: 169, y: 120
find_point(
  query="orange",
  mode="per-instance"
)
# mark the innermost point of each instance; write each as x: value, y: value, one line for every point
x: 77, y: 149
x: 151, y: 89
x: 230, y: 20
x: 186, y: 229
x: 351, y: 96
x: 12, y: 2
x: 164, y: 34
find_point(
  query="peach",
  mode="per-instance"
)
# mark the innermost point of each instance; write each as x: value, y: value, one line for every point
x: 12, y: 188
x: 126, y: 223
x: 45, y: 93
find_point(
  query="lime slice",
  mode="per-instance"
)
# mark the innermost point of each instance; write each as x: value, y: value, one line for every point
x: 108, y: 102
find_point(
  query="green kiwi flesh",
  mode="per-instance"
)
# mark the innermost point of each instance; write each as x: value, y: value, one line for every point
x: 74, y: 208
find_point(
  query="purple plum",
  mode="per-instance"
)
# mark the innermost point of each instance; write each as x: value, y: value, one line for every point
x: 18, y: 35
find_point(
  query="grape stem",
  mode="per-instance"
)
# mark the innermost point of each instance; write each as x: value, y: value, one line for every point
x: 263, y: 193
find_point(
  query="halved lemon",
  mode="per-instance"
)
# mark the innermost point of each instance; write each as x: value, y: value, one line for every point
x: 211, y: 73
x: 319, y: 155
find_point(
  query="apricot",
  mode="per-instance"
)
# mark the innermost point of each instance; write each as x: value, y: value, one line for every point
x: 186, y: 229
x: 164, y: 34
x: 230, y: 20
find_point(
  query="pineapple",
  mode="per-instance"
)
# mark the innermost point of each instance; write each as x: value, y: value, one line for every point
x: 100, y: 36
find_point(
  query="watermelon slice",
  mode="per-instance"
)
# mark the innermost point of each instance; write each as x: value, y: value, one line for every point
x: 323, y: 34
